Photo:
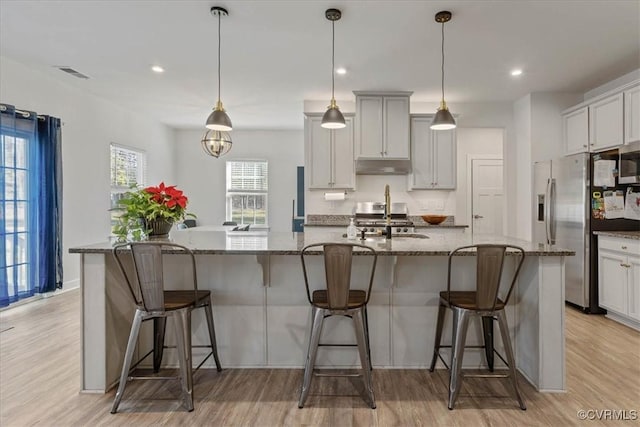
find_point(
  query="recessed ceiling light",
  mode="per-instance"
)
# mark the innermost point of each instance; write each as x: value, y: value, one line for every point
x: 157, y: 69
x: 341, y: 70
x: 516, y: 72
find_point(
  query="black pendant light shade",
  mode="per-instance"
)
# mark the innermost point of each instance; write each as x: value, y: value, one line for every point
x: 333, y: 118
x: 443, y: 120
x: 216, y: 143
x: 218, y: 119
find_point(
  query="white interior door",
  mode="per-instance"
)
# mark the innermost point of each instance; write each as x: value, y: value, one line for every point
x: 488, y: 195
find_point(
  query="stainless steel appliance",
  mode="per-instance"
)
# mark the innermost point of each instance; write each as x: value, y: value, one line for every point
x: 629, y: 164
x: 563, y: 217
x: 370, y: 217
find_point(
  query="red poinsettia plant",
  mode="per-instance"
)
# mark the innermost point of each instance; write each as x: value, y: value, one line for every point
x: 168, y: 197
x: 147, y: 204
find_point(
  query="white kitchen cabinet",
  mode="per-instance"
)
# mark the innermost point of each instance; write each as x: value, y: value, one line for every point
x: 329, y: 154
x: 632, y: 115
x: 382, y: 125
x: 606, y: 123
x: 433, y: 155
x: 576, y: 131
x: 619, y: 278
x: 633, y: 277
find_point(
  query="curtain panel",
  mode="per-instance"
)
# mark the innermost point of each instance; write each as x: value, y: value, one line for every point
x: 30, y: 204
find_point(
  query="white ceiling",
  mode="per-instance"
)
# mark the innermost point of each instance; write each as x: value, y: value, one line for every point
x: 275, y: 54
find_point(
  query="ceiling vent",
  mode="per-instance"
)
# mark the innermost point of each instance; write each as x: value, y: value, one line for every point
x: 73, y: 72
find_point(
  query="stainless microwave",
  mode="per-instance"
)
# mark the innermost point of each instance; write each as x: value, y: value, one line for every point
x: 629, y: 165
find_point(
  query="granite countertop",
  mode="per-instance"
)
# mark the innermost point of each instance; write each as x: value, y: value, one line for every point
x: 633, y: 235
x: 314, y: 220
x: 289, y: 243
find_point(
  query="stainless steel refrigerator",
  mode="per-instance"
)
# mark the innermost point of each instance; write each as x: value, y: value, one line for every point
x: 562, y: 217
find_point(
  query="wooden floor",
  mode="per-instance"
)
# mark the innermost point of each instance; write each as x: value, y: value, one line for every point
x: 40, y: 379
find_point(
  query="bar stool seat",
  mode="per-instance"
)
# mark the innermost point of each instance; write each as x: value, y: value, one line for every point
x: 146, y: 284
x: 466, y: 299
x: 176, y: 300
x: 357, y: 298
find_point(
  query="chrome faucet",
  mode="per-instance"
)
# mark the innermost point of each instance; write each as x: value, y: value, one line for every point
x: 387, y: 211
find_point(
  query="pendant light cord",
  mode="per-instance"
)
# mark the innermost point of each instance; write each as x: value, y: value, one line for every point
x: 219, y: 13
x: 442, y: 68
x: 333, y: 56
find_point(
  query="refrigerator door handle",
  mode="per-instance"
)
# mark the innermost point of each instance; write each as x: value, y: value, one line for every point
x: 552, y: 211
x: 547, y: 209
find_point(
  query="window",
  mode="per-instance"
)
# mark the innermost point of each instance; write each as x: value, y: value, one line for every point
x: 247, y: 191
x: 16, y: 204
x: 128, y: 168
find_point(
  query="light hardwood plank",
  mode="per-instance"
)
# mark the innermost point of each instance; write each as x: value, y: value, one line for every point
x: 40, y: 379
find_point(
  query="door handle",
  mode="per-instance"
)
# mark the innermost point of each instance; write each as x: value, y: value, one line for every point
x: 477, y: 216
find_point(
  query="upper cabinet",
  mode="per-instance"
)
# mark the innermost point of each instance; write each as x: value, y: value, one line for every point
x: 576, y: 131
x: 382, y: 125
x: 605, y: 123
x: 433, y: 155
x: 329, y: 154
x: 632, y: 115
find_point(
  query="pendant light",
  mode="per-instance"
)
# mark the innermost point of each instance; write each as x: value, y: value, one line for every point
x: 443, y: 120
x: 216, y: 143
x: 333, y: 118
x: 218, y: 119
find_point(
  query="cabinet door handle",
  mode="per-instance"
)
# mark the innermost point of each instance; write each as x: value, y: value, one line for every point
x: 477, y: 217
x: 385, y: 153
x: 625, y: 265
x: 584, y: 146
x: 624, y: 247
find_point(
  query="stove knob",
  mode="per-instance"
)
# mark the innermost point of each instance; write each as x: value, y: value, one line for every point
x: 398, y: 229
x: 371, y: 229
x: 406, y: 230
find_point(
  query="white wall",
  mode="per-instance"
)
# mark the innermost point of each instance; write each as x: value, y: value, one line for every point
x: 522, y: 119
x: 203, y: 177
x: 90, y: 124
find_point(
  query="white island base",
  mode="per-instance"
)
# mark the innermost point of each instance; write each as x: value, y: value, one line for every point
x: 262, y: 315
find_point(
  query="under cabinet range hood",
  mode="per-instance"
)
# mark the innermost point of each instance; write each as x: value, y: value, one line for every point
x: 383, y: 167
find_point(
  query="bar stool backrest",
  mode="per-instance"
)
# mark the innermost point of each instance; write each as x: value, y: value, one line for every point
x: 148, y: 270
x: 337, y: 264
x: 489, y: 265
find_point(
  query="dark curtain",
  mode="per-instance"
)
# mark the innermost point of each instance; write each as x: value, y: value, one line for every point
x: 49, y: 164
x: 30, y: 204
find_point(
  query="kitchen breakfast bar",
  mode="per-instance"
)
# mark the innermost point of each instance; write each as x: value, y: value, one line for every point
x: 262, y: 315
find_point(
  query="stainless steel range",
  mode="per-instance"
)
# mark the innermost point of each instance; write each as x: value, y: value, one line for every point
x: 370, y: 217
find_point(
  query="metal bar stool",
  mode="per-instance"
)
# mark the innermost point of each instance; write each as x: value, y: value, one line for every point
x: 338, y: 299
x: 146, y: 283
x: 484, y: 302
